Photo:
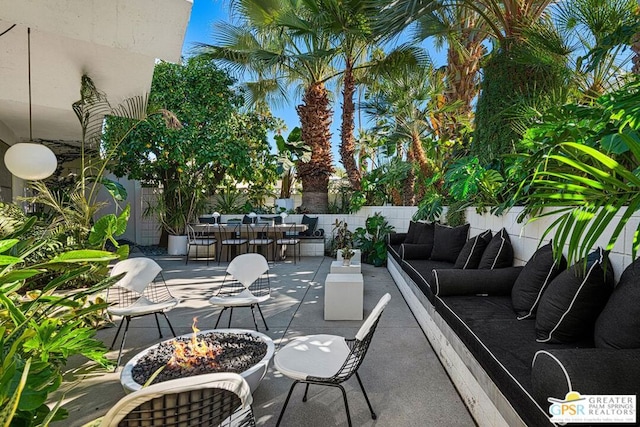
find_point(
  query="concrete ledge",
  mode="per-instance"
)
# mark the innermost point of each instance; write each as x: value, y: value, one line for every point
x: 488, y: 406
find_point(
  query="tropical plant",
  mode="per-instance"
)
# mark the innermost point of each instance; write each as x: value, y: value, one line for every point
x: 214, y: 141
x: 71, y: 210
x: 228, y: 199
x: 401, y: 102
x: 341, y: 237
x: 290, y: 151
x: 38, y: 333
x: 372, y: 239
x: 277, y: 44
x: 591, y: 180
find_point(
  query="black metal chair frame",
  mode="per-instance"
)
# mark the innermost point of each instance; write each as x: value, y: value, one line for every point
x: 349, y: 367
x: 289, y: 237
x: 236, y: 240
x: 259, y: 236
x: 199, y: 238
x: 155, y: 291
x: 231, y: 287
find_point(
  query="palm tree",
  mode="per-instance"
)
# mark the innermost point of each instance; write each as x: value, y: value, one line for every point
x: 590, y: 23
x: 402, y: 101
x: 276, y: 44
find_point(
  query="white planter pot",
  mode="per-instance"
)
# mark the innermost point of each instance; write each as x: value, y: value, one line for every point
x: 285, y: 204
x: 177, y: 245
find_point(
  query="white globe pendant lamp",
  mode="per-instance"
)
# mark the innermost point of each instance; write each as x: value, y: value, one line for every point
x: 29, y: 160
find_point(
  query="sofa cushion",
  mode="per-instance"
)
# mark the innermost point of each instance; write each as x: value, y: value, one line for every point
x: 420, y: 272
x: 415, y: 251
x: 472, y: 251
x: 448, y: 242
x: 412, y: 233
x: 456, y: 281
x: 499, y: 252
x: 503, y: 346
x: 536, y: 275
x: 311, y: 223
x: 573, y: 300
x: 618, y: 326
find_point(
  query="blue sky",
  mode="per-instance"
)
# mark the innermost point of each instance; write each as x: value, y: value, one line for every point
x: 205, y: 12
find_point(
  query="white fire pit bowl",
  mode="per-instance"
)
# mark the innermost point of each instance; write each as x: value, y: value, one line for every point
x: 253, y: 375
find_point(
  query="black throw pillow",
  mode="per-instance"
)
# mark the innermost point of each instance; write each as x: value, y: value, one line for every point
x: 573, y: 300
x: 528, y: 288
x: 425, y: 238
x: 247, y: 219
x: 448, y: 242
x: 618, y: 326
x: 472, y: 251
x: 311, y: 223
x: 498, y: 253
x: 412, y: 233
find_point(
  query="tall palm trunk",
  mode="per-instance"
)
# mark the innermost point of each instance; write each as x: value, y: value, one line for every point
x: 636, y: 50
x: 347, y: 140
x: 315, y: 121
x: 408, y: 193
x: 462, y: 83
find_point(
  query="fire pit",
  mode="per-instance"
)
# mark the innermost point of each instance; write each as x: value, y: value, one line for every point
x: 245, y: 352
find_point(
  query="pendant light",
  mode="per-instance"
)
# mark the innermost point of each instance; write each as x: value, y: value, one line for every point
x: 29, y: 160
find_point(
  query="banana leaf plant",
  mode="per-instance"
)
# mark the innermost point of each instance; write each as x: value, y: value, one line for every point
x: 591, y: 179
x: 40, y: 330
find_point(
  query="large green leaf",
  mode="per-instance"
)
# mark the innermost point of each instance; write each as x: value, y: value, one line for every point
x: 7, y: 244
x: 84, y: 255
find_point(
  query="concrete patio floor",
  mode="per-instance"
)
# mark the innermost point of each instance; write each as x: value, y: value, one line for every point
x: 404, y: 379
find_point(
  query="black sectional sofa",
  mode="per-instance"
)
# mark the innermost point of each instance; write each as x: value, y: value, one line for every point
x: 503, y: 362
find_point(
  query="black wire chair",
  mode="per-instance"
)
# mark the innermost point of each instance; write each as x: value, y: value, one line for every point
x: 230, y: 239
x: 328, y: 360
x: 246, y: 284
x: 290, y: 239
x: 259, y: 237
x: 200, y: 237
x: 221, y: 399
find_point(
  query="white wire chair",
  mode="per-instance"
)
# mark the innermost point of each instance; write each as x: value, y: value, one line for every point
x: 221, y: 399
x: 246, y: 284
x: 328, y: 360
x: 138, y: 293
x: 202, y: 237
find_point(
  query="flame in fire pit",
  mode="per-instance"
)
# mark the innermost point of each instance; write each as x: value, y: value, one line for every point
x: 194, y: 352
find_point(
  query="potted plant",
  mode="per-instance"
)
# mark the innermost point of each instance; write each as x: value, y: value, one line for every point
x: 289, y: 152
x: 347, y: 254
x: 372, y: 239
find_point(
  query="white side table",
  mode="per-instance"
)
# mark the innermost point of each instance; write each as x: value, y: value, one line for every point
x: 338, y: 267
x: 343, y: 297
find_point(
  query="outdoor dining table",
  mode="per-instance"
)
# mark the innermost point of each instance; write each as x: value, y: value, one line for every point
x: 274, y: 231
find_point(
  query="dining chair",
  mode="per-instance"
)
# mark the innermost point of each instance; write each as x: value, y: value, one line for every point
x: 140, y: 292
x: 201, y: 237
x: 246, y: 284
x: 328, y: 360
x: 290, y: 238
x: 220, y: 399
x: 231, y: 236
x: 259, y: 237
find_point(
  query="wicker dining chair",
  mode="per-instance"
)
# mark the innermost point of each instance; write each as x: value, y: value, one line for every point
x: 220, y: 399
x: 140, y: 292
x: 246, y: 284
x: 328, y: 360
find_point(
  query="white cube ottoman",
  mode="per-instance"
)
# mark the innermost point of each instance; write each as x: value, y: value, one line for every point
x: 339, y: 267
x: 343, y: 297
